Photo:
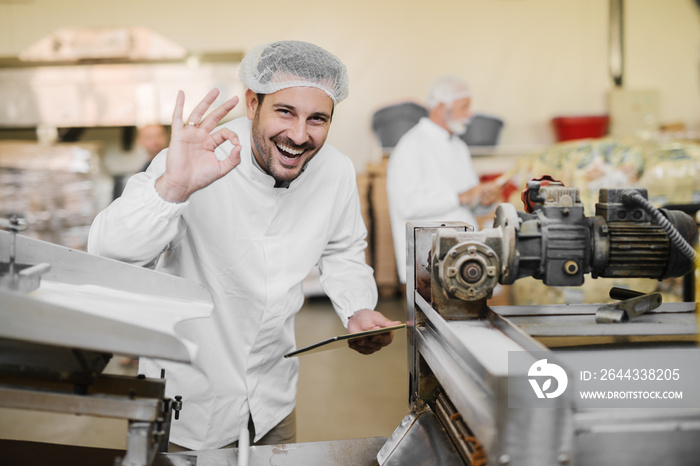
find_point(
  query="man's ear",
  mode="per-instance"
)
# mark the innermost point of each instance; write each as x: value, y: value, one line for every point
x: 251, y: 103
x: 439, y: 114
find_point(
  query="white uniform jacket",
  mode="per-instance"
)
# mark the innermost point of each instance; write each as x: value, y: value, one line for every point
x: 427, y: 170
x: 251, y: 245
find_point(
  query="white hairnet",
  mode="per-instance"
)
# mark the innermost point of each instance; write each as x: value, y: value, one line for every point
x: 268, y: 68
x: 446, y: 90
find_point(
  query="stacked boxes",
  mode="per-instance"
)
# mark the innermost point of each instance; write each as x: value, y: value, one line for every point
x: 381, y: 240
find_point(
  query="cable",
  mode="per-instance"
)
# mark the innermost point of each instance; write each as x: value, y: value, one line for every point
x: 630, y: 196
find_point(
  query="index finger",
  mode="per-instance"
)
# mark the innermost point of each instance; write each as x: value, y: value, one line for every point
x: 202, y: 107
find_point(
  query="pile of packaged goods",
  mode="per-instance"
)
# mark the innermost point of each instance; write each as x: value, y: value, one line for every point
x: 52, y: 187
x: 669, y: 170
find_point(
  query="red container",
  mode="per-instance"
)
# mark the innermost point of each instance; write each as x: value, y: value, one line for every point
x: 568, y: 128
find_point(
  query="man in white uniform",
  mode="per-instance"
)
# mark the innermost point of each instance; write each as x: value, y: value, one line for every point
x: 248, y: 209
x: 430, y: 176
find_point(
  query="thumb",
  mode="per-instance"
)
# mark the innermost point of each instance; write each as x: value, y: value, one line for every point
x: 383, y: 321
x: 232, y: 161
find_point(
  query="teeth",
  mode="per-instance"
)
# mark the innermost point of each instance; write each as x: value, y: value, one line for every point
x: 289, y: 150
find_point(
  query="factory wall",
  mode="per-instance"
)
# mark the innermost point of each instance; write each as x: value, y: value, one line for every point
x: 526, y: 60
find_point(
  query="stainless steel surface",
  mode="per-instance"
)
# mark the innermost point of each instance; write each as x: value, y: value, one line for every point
x: 352, y: 452
x: 396, y: 436
x: 107, y: 77
x: 140, y: 448
x: 419, y: 241
x: 425, y: 443
x: 110, y: 94
x: 466, y: 362
x: 75, y: 319
x: 80, y: 268
x: 475, y: 382
x: 653, y: 436
x: 36, y: 321
x: 575, y: 325
x: 119, y: 407
x: 579, y: 309
x: 71, y: 45
x: 469, y: 359
x: 628, y: 309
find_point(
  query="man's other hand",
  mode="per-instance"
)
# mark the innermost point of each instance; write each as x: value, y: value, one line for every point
x: 366, y: 319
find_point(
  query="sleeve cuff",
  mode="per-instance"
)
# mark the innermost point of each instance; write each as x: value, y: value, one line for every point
x: 353, y: 303
x: 159, y: 206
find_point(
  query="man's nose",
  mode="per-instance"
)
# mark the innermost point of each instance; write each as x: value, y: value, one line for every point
x: 298, y: 132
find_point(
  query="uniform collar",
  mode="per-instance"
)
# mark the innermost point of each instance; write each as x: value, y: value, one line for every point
x: 285, y: 184
x: 437, y: 130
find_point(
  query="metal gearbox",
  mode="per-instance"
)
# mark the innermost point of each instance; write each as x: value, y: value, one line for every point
x: 555, y: 242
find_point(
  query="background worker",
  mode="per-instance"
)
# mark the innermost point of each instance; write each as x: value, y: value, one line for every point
x: 152, y: 139
x: 248, y: 209
x: 430, y: 176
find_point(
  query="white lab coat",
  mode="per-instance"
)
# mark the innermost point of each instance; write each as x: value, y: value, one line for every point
x: 251, y: 245
x: 427, y: 170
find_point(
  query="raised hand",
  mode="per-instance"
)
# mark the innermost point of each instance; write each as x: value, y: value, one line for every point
x: 191, y: 163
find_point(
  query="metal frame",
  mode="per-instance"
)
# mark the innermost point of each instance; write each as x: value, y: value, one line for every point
x: 52, y: 354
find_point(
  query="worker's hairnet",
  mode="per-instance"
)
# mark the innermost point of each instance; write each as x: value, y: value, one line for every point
x: 446, y: 90
x: 271, y: 67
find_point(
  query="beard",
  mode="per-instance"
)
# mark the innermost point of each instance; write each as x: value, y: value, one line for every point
x: 458, y: 127
x: 270, y: 150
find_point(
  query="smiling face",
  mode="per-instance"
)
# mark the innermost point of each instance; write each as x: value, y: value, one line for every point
x: 289, y: 128
x: 453, y: 117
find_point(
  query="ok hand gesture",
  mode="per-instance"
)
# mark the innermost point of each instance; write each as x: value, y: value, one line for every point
x: 191, y: 163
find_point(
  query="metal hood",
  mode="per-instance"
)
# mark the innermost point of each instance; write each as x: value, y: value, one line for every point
x: 76, y: 45
x: 107, y: 77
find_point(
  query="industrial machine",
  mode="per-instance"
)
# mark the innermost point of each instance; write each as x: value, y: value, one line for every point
x: 473, y: 399
x: 63, y: 313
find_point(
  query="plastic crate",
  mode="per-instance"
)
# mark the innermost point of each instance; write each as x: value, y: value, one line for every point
x: 391, y: 122
x: 568, y: 128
